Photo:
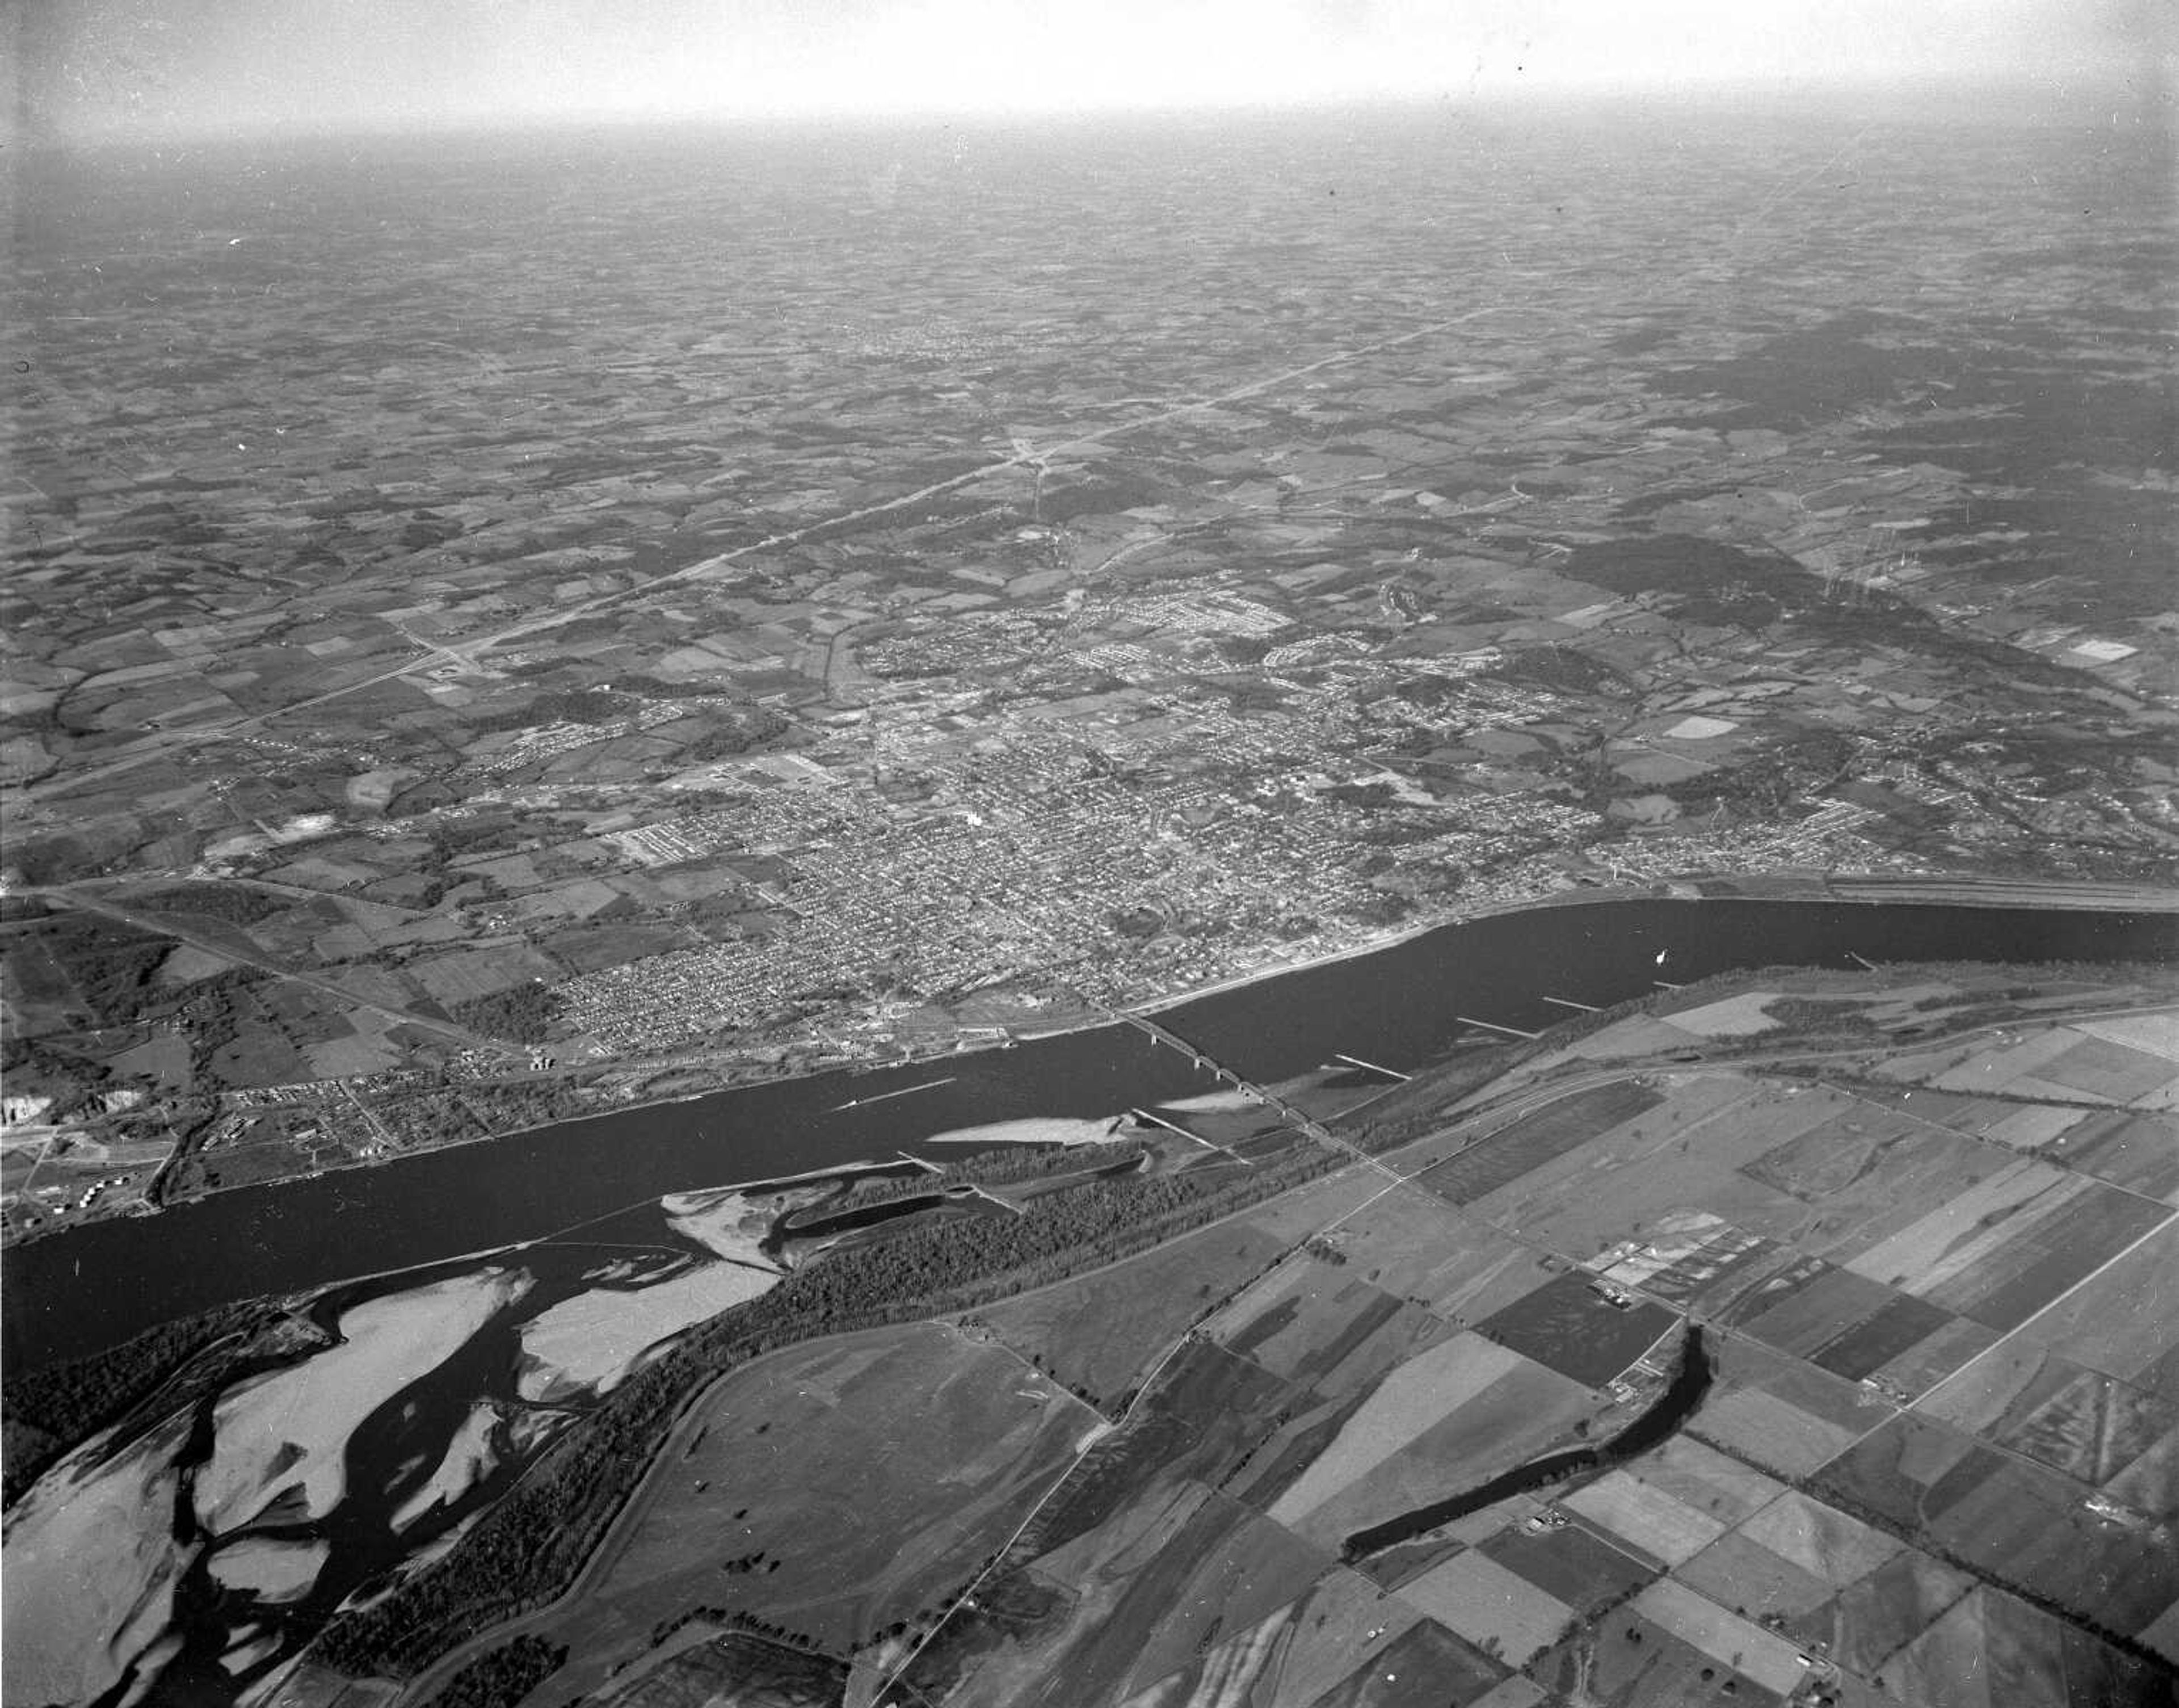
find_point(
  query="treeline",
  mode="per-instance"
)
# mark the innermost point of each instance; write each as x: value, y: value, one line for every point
x: 522, y: 1015
x: 503, y: 1676
x: 591, y: 705
x: 50, y: 1411
x: 111, y: 965
x: 525, y: 1551
x: 234, y: 905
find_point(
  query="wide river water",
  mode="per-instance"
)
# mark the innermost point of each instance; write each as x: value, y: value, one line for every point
x: 81, y: 1291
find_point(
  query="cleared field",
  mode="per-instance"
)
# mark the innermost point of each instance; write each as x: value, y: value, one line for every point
x: 1665, y: 1530
x: 862, y: 1478
x: 1742, y: 1574
x: 1502, y: 1614
x: 1566, y: 1326
x: 1457, y: 1267
x: 1428, y: 1667
x: 1535, y: 1139
x: 1525, y: 1412
x: 2124, y: 1322
x: 2139, y: 1152
x: 2080, y: 1421
x: 1706, y: 1480
x: 1873, y: 1172
x: 1785, y: 1415
x: 2031, y: 1126
x: 2099, y: 1067
x: 1294, y: 1659
x: 1929, y: 1361
x: 1953, y: 1234
x: 1569, y: 1564
x: 2019, y: 1522
x: 2083, y: 1227
x: 1991, y: 1649
x: 1141, y: 1604
x: 1419, y: 1393
x: 1306, y: 1318
x: 1732, y: 1641
x: 1099, y: 1331
x: 1631, y: 1661
x: 1871, y: 1620
x: 1825, y: 1542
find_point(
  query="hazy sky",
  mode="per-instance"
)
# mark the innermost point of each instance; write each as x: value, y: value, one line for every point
x: 85, y: 67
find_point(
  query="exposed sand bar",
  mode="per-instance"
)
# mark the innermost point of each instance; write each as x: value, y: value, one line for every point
x: 469, y: 1456
x: 587, y: 1344
x: 1210, y: 1103
x: 1050, y: 1129
x: 724, y: 1221
x: 88, y: 1574
x: 288, y: 1431
x: 269, y: 1570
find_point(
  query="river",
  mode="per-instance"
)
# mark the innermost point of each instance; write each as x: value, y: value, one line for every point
x: 73, y: 1294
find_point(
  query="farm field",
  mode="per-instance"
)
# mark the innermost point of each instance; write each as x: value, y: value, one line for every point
x: 856, y: 1481
x: 1097, y: 1335
x: 1933, y: 1336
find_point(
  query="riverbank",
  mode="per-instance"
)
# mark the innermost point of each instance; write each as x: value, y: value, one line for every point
x: 1401, y: 1006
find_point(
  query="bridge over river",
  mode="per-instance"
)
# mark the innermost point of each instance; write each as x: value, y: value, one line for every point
x: 1299, y: 1118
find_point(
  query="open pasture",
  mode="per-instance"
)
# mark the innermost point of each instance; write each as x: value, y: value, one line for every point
x: 1409, y: 1401
x: 1297, y: 1658
x: 2065, y: 1236
x: 2019, y: 1522
x: 2123, y: 1321
x: 2139, y: 1152
x: 1558, y: 1128
x: 1872, y: 1619
x: 865, y: 1477
x: 1655, y: 1525
x: 1990, y: 1650
x: 1727, y: 1639
x: 1630, y: 1662
x: 1570, y: 1564
x: 1829, y: 1545
x: 2080, y: 1421
x: 1742, y: 1574
x: 1870, y: 1172
x: 1706, y: 1480
x: 1141, y: 1605
x: 1099, y: 1332
x: 1566, y: 1326
x: 1502, y: 1614
x: 1309, y: 1320
x: 1776, y: 1412
x: 2100, y: 1070
x: 1525, y: 1412
x: 1459, y: 1266
x: 1725, y: 1159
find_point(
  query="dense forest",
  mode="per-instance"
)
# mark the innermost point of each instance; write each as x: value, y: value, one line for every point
x: 502, y: 1677
x: 49, y: 1411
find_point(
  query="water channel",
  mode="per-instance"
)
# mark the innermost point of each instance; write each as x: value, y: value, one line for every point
x: 73, y: 1294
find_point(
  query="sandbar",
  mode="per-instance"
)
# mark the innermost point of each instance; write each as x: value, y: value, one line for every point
x: 91, y: 1567
x: 288, y: 1430
x: 1042, y: 1129
x: 272, y: 1571
x: 469, y: 1456
x: 588, y: 1343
